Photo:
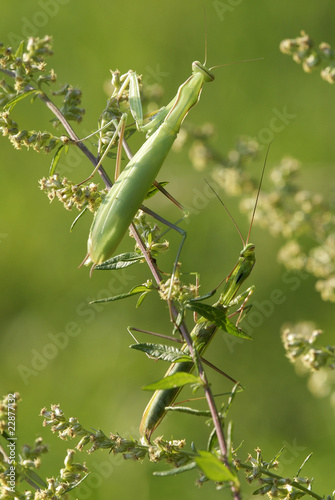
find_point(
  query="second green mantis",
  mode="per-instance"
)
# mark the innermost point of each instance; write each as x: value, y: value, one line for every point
x: 201, y: 336
x: 205, y: 329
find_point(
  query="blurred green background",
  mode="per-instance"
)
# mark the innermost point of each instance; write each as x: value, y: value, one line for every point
x: 95, y: 377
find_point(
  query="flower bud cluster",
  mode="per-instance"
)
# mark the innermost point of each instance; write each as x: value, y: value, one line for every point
x: 170, y: 451
x: 72, y: 195
x: 174, y: 289
x: 272, y: 484
x: 28, y: 61
x: 37, y: 140
x: 150, y: 234
x: 26, y: 67
x: 303, y: 51
x: 299, y: 343
x: 71, y: 101
x: 26, y: 463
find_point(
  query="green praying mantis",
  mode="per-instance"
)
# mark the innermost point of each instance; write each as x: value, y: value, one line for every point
x: 123, y: 200
x: 205, y: 329
x: 119, y: 207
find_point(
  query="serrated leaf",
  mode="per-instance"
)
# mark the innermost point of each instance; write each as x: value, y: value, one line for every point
x: 214, y: 469
x: 10, y: 104
x: 172, y: 381
x: 163, y: 352
x: 55, y: 160
x: 134, y: 291
x: 176, y: 470
x: 119, y: 262
x: 218, y: 317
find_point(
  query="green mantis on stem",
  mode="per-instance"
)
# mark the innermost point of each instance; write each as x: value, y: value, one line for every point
x: 205, y: 329
x: 123, y: 200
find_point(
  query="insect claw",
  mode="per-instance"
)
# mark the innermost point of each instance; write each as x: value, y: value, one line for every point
x: 86, y: 261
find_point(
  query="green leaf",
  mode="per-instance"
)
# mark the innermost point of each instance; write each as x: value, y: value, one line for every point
x: 10, y: 104
x: 303, y: 463
x: 142, y: 297
x: 77, y: 483
x: 188, y: 410
x: 172, y: 381
x: 119, y: 261
x: 19, y: 51
x: 55, y: 160
x: 162, y: 351
x: 154, y: 190
x: 134, y: 291
x: 218, y: 317
x: 129, y: 132
x: 32, y: 476
x: 203, y: 297
x: 77, y: 218
x: 214, y: 469
x: 176, y: 470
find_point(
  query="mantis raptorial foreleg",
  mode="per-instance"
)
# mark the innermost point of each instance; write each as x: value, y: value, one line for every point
x: 119, y: 130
